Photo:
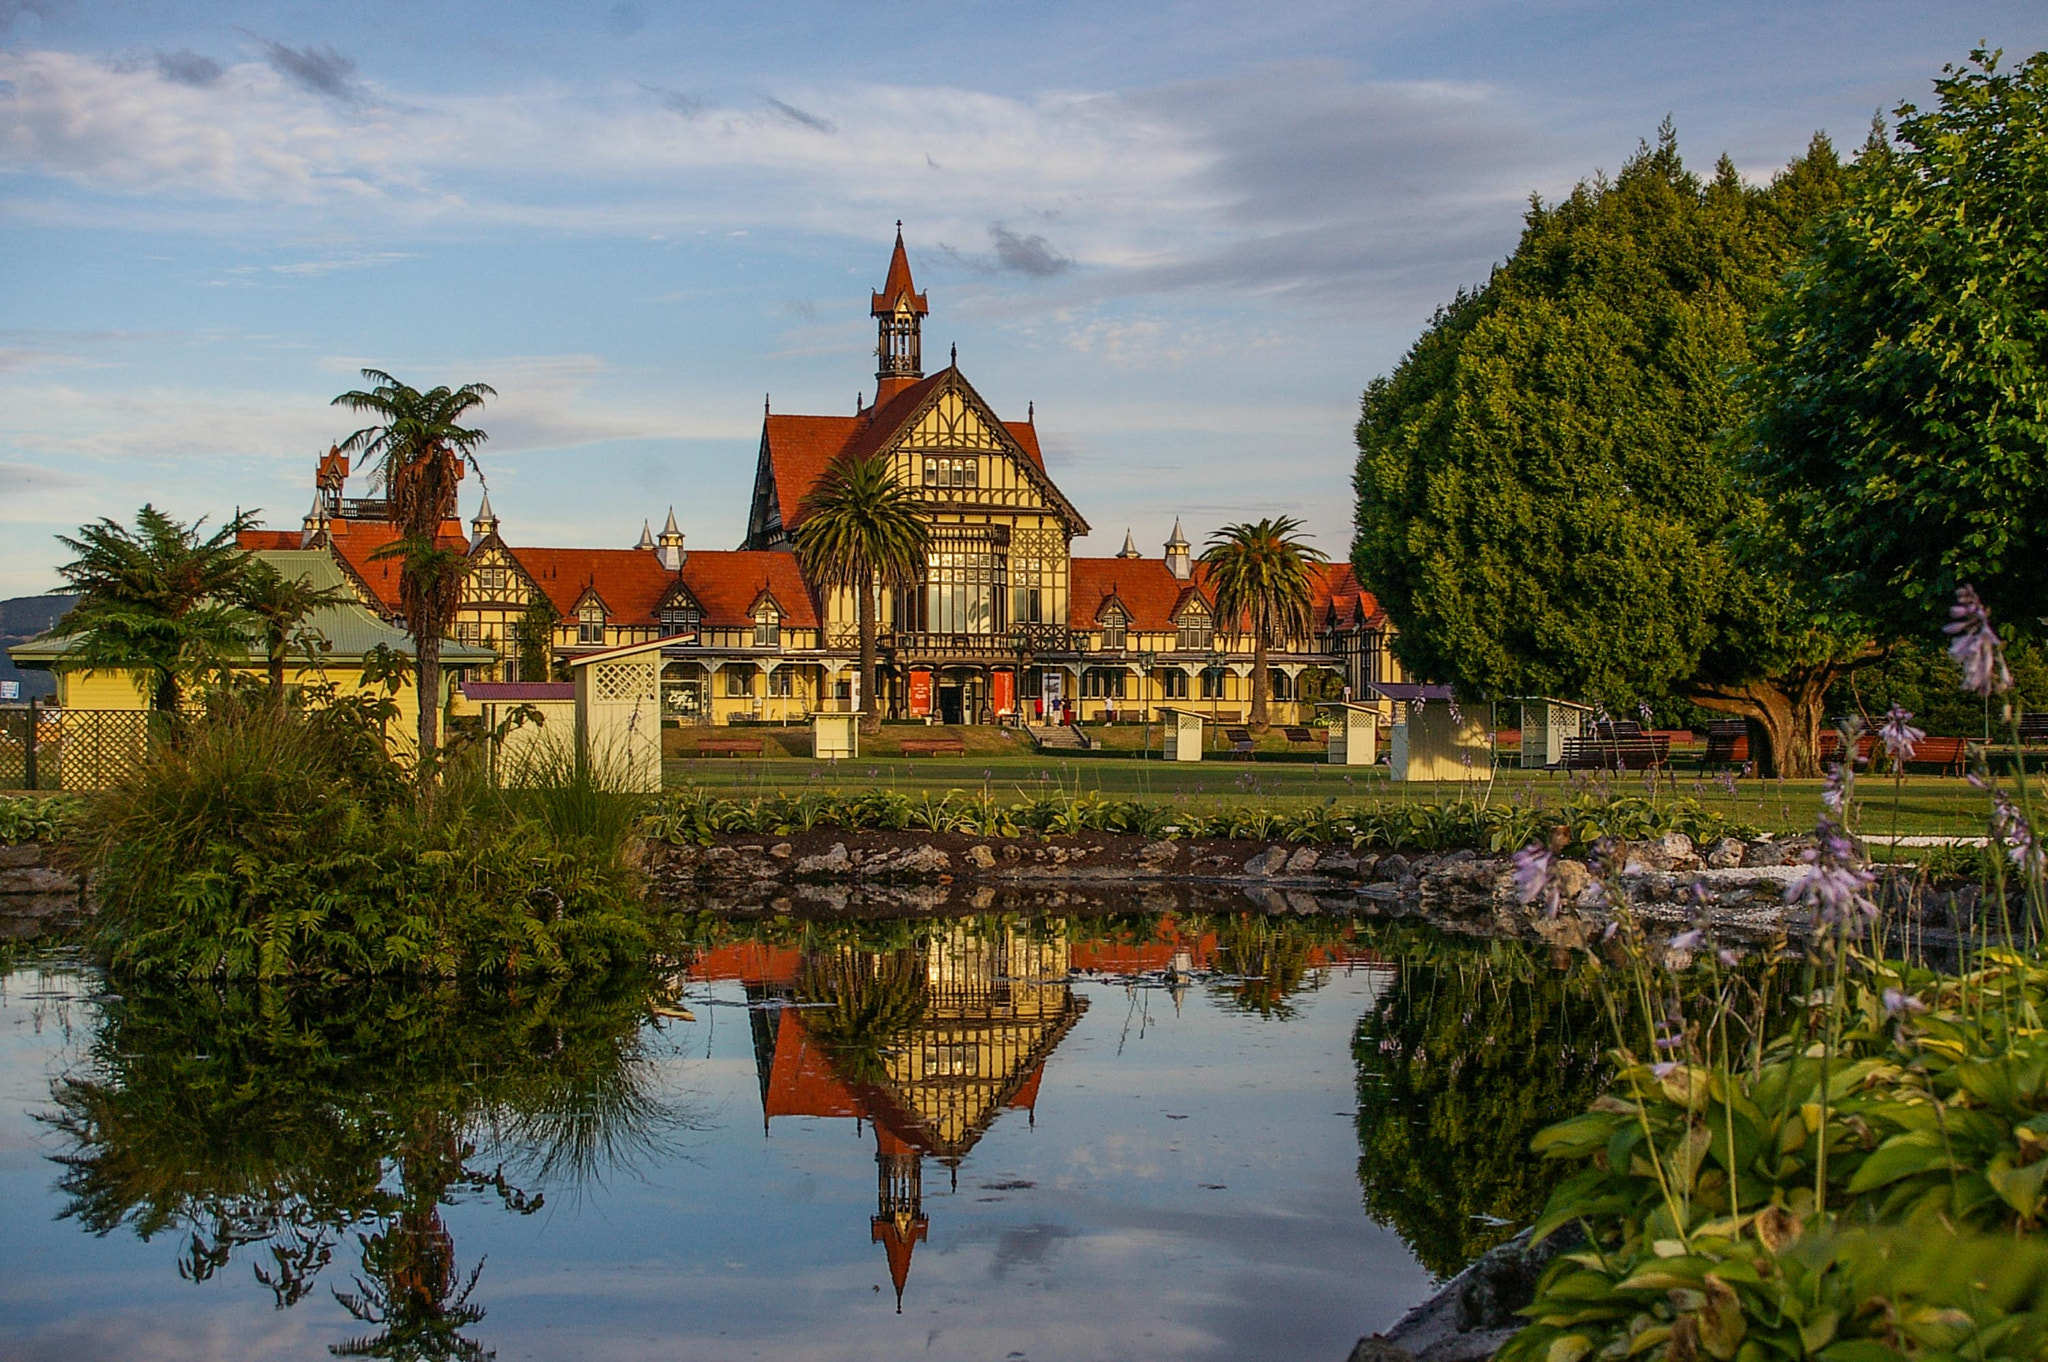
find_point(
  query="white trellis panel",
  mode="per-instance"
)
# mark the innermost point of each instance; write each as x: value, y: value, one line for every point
x: 618, y: 715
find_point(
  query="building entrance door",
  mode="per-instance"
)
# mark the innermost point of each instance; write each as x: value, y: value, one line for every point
x: 951, y: 699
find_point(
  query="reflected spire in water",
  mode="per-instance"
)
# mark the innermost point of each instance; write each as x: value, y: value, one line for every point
x: 930, y: 1043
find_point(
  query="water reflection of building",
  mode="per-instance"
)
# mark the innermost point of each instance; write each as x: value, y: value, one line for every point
x: 985, y: 1012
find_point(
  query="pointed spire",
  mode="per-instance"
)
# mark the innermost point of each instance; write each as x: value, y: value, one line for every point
x: 315, y: 523
x: 898, y: 311
x: 1177, y: 561
x: 667, y: 529
x: 1130, y: 548
x: 486, y: 522
x: 898, y: 287
x: 646, y: 536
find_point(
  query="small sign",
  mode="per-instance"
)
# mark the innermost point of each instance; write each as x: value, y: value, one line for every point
x: 920, y: 692
x: 10, y: 690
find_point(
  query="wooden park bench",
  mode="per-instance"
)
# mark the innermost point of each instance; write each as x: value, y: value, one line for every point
x: 934, y: 747
x: 1831, y: 748
x: 2034, y: 729
x: 1642, y: 752
x: 1727, y: 743
x: 1950, y: 754
x: 729, y: 747
x: 1297, y: 734
x: 1240, y: 740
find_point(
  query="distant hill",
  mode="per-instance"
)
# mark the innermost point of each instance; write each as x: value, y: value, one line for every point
x: 21, y: 619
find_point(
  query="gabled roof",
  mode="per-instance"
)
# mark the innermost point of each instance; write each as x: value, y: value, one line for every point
x: 356, y: 543
x: 1149, y: 593
x: 633, y: 583
x: 800, y: 448
x: 1153, y: 597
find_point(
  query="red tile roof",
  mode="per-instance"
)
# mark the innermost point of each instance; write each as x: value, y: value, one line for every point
x: 356, y: 543
x: 632, y: 583
x: 1148, y: 590
x: 800, y: 448
x: 1152, y: 594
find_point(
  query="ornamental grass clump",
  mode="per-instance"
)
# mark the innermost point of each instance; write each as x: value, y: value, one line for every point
x: 271, y: 842
x: 1829, y: 1153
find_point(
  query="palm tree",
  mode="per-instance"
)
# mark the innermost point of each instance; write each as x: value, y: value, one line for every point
x: 281, y: 605
x: 158, y: 599
x: 860, y: 528
x: 418, y: 455
x: 1262, y: 579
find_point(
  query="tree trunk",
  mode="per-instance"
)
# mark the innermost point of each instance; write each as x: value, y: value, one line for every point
x: 429, y: 673
x: 1786, y: 712
x: 167, y: 696
x: 277, y: 676
x: 1262, y: 682
x: 871, y: 719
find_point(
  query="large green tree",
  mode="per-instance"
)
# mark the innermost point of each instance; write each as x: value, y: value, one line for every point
x: 861, y: 529
x: 1548, y: 502
x: 1263, y: 575
x: 1903, y: 412
x: 158, y: 600
x: 417, y: 453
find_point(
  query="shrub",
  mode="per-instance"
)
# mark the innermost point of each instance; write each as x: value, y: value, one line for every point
x: 268, y: 843
x: 35, y: 819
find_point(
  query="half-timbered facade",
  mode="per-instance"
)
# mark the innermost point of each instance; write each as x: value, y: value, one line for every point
x: 1005, y: 621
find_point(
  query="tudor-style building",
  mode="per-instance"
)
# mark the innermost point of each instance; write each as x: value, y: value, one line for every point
x: 1004, y: 619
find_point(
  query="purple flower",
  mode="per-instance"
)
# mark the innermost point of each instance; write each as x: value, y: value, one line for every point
x: 1727, y: 957
x: 1686, y: 941
x: 1976, y: 646
x: 1899, y: 735
x: 1643, y: 708
x: 1902, y: 1004
x: 1835, y: 790
x: 1534, y: 878
x: 1832, y: 884
x: 1665, y: 1069
x: 2012, y: 830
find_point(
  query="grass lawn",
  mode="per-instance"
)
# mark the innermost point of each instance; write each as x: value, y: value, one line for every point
x: 1004, y: 764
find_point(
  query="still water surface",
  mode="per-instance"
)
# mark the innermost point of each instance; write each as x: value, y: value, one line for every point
x: 1203, y: 1134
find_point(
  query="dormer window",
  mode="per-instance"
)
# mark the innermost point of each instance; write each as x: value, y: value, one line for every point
x: 1196, y: 630
x: 590, y: 623
x: 680, y: 619
x: 767, y: 627
x: 1115, y: 625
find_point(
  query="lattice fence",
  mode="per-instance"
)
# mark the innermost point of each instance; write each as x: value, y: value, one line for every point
x: 70, y: 749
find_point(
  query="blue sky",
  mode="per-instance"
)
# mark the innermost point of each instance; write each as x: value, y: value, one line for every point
x: 1189, y: 233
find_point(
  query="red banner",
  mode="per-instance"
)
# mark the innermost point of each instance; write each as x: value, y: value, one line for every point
x: 1003, y: 686
x: 920, y: 692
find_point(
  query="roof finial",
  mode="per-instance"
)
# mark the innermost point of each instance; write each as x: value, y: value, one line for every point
x: 1030, y: 413
x: 956, y: 354
x: 764, y: 404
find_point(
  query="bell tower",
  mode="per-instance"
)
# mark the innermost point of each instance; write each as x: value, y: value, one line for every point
x: 899, y: 311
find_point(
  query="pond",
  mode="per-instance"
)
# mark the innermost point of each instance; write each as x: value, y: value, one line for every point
x: 1207, y: 1132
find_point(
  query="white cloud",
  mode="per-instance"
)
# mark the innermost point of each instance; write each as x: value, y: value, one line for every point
x: 1281, y: 179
